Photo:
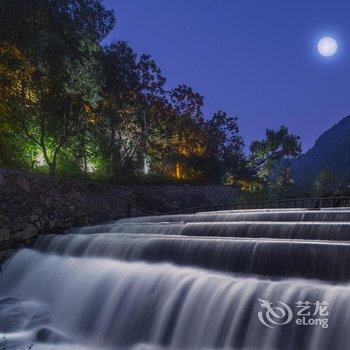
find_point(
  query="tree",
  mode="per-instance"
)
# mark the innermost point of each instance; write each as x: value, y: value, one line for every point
x: 185, y: 143
x: 59, y: 41
x: 224, y: 154
x: 68, y: 103
x: 284, y: 175
x: 109, y: 123
x: 127, y: 116
x: 186, y: 102
x: 151, y: 100
x: 325, y: 183
x: 277, y: 146
x: 15, y: 99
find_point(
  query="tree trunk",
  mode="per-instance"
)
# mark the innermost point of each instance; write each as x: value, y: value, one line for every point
x: 52, y: 168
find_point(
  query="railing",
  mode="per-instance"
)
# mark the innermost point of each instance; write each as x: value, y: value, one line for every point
x: 312, y: 203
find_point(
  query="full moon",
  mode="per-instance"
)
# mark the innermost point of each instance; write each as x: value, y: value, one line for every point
x: 327, y: 46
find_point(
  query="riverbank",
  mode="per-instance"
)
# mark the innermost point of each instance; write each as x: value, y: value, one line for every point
x: 33, y: 204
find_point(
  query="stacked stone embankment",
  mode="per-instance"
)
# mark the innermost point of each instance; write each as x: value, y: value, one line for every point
x: 33, y: 204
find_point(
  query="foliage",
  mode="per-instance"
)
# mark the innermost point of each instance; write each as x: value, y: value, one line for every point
x: 74, y: 105
x: 54, y: 70
x: 224, y: 153
x: 277, y: 146
x: 326, y: 183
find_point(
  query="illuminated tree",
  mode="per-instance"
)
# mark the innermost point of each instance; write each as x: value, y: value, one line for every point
x: 16, y: 101
x: 69, y: 104
x: 186, y: 141
x: 128, y: 112
x: 60, y: 39
x: 277, y: 146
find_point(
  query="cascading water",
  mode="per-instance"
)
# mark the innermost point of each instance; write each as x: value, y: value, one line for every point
x: 222, y: 280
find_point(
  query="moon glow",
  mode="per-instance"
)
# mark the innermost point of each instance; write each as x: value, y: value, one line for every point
x: 327, y: 46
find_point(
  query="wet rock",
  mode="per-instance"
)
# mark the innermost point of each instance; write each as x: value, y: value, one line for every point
x: 30, y: 232
x: 4, y: 255
x: 2, y: 180
x: 16, y: 225
x: 46, y: 335
x: 34, y: 218
x: 21, y: 314
x: 23, y: 183
x: 4, y: 234
x: 35, y: 203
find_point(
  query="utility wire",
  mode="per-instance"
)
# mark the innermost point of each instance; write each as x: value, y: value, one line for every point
x: 204, y: 23
x: 189, y: 42
x: 221, y: 50
x: 206, y: 34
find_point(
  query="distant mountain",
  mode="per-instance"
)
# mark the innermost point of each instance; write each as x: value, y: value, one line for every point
x: 331, y: 151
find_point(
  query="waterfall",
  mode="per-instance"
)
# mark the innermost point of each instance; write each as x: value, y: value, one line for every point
x: 220, y: 280
x: 281, y: 216
x: 268, y: 257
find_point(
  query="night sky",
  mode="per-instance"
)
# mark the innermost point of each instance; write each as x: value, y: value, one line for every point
x: 257, y: 60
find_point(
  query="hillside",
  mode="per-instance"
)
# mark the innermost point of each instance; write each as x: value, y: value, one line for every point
x: 331, y: 151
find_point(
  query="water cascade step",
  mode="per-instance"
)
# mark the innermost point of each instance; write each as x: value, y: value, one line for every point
x: 284, y: 216
x: 219, y: 280
x: 266, y: 257
x: 332, y: 231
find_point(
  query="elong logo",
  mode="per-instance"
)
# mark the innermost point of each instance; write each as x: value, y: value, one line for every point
x: 308, y: 313
x: 274, y: 315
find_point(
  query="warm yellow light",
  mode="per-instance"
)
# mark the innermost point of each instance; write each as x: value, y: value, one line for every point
x: 178, y: 170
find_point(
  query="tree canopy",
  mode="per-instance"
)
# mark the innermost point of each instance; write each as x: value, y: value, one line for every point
x: 277, y: 146
x: 73, y: 103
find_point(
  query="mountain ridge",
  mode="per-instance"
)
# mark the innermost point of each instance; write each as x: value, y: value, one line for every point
x: 331, y: 151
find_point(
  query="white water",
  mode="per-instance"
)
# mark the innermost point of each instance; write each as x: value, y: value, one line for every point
x: 85, y: 292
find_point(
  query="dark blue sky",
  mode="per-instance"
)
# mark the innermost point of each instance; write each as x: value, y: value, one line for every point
x: 255, y: 59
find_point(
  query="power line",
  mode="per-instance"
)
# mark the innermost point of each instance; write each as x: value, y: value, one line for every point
x: 221, y: 49
x: 204, y: 23
x: 206, y: 34
x: 190, y: 45
x: 189, y: 42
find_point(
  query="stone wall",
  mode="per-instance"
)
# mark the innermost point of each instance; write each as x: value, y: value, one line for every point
x: 33, y: 204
